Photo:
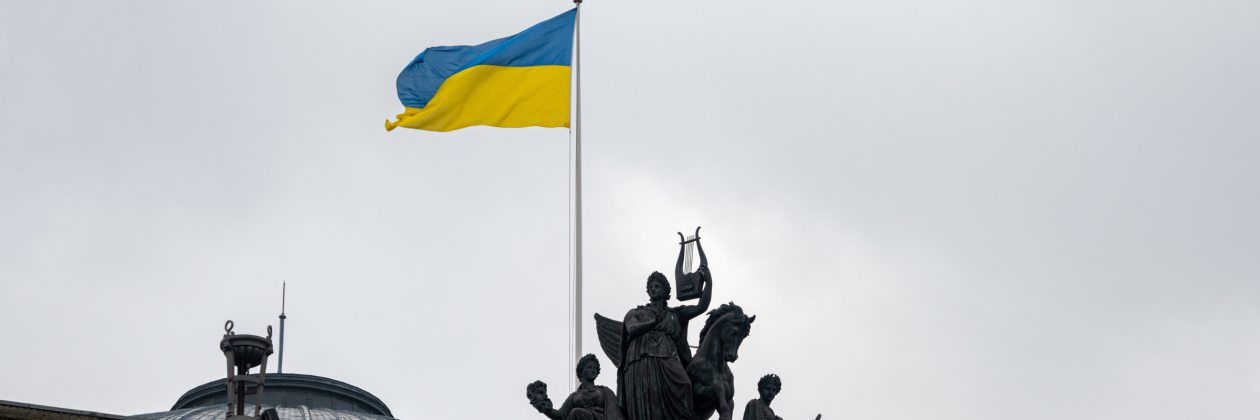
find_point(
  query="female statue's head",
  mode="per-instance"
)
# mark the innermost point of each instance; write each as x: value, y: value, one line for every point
x: 658, y: 287
x: 588, y: 367
x: 769, y: 386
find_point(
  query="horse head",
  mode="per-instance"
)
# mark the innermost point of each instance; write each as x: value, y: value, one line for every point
x: 728, y: 326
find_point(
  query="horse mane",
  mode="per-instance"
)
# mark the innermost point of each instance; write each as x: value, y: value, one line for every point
x: 714, y: 315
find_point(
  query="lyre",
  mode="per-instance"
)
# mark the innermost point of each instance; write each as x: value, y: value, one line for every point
x: 687, y: 283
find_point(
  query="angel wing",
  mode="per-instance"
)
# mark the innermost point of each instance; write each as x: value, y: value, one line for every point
x: 609, y: 332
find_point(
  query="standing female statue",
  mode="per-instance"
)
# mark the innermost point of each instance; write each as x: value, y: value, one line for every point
x: 655, y: 385
x: 589, y: 402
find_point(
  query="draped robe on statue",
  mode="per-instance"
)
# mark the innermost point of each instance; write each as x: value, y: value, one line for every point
x: 756, y: 410
x: 596, y: 404
x: 656, y: 386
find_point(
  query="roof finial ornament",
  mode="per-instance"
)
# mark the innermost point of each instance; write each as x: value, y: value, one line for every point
x: 244, y: 352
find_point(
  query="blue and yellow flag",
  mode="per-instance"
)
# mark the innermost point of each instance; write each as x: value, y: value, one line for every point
x: 518, y: 81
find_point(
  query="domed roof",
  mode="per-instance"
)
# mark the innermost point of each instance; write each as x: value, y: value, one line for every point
x: 299, y: 397
x: 301, y: 412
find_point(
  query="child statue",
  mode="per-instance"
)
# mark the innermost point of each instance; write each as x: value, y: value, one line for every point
x: 759, y: 409
x: 589, y: 402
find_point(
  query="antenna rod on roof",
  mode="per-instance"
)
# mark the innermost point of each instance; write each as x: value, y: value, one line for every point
x: 283, y: 291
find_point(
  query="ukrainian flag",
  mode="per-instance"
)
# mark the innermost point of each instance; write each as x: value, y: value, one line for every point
x: 518, y: 81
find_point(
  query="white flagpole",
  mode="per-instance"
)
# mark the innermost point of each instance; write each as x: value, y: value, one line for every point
x: 577, y: 200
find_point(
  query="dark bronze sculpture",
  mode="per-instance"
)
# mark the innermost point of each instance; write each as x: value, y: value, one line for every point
x: 759, y: 408
x: 657, y: 379
x: 589, y: 402
x: 657, y: 376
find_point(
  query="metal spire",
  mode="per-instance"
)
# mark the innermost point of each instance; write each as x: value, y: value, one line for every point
x: 283, y: 291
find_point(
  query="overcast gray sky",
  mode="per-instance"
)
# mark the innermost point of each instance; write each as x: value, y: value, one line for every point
x: 968, y: 209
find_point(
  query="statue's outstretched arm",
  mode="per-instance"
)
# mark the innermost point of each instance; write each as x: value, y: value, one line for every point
x: 707, y: 276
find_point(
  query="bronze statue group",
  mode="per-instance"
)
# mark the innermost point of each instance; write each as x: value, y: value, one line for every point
x: 658, y: 378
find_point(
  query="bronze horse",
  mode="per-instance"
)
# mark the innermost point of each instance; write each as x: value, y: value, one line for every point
x: 712, y: 384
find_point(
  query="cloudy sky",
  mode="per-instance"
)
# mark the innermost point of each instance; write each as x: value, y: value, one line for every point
x: 971, y: 209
